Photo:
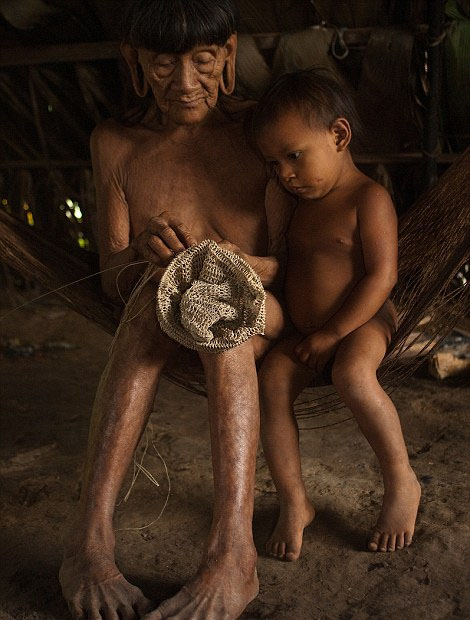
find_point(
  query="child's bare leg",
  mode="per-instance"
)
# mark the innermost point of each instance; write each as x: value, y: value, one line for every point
x: 354, y: 376
x: 281, y: 379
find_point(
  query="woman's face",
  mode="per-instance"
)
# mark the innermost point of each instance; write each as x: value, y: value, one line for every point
x: 185, y: 86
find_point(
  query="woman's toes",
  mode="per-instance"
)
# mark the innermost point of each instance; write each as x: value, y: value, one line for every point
x: 281, y: 551
x: 408, y: 539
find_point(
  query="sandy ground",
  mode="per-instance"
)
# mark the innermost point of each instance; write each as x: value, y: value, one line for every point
x: 46, y: 400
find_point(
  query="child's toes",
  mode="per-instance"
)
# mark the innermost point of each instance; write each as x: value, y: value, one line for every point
x: 400, y: 541
x: 383, y: 543
x: 374, y: 541
x: 408, y: 538
x: 392, y: 541
x: 274, y: 548
x: 281, y: 551
x: 292, y: 554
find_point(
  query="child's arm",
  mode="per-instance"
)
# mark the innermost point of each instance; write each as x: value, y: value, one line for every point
x: 378, y: 232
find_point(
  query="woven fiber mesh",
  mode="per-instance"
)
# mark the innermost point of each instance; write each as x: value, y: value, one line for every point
x: 210, y: 299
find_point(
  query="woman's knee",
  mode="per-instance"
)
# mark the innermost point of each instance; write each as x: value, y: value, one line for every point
x: 140, y: 335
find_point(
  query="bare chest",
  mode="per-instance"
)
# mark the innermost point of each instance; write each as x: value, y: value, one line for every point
x: 216, y: 189
x: 318, y: 228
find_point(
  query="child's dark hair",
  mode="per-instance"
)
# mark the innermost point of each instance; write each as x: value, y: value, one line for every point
x: 176, y: 26
x: 316, y: 94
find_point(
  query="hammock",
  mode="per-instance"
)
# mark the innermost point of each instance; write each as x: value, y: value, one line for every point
x: 434, y: 243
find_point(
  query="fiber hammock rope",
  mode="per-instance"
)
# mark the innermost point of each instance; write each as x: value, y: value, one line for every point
x: 434, y: 243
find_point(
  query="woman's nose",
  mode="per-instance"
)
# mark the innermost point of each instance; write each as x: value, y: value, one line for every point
x: 185, y: 75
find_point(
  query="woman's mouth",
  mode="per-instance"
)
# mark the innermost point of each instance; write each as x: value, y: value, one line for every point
x: 188, y: 104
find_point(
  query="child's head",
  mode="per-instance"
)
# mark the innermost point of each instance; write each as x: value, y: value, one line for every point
x: 303, y: 128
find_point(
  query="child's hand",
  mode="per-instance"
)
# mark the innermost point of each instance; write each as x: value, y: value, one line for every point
x: 316, y: 349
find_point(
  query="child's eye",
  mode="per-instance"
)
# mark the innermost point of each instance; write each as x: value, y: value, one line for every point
x: 294, y: 156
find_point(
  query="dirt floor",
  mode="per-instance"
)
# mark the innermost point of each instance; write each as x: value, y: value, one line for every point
x: 48, y: 379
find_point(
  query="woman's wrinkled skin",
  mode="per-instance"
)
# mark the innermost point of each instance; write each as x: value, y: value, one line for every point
x: 184, y: 174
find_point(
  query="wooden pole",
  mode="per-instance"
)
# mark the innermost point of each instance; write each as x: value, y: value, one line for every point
x: 431, y: 142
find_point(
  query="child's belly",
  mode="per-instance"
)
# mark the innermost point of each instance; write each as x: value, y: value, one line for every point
x: 316, y: 288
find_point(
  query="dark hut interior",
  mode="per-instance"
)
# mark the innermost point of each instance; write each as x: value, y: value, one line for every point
x: 61, y: 73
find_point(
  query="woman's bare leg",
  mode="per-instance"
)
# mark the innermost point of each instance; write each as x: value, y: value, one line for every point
x: 90, y: 580
x: 354, y: 376
x: 226, y: 580
x: 281, y: 379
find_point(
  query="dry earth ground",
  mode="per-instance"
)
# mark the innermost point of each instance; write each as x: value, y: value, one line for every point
x: 46, y: 400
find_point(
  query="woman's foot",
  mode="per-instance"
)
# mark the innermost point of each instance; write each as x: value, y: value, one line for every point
x: 395, y: 526
x: 285, y: 543
x: 92, y: 582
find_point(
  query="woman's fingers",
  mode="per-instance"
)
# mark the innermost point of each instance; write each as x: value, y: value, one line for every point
x: 164, y: 237
x: 172, y: 230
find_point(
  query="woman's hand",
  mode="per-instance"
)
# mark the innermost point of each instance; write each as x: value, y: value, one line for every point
x: 316, y: 349
x: 231, y: 247
x: 164, y: 238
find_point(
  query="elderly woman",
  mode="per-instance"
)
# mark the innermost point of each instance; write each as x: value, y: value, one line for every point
x: 179, y: 173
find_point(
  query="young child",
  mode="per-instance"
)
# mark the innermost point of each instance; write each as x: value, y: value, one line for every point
x: 341, y: 268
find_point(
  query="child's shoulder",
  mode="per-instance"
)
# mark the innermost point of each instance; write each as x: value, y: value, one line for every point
x: 368, y: 194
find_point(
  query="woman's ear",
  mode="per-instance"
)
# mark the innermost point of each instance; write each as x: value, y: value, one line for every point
x: 139, y: 82
x: 227, y: 79
x: 341, y: 130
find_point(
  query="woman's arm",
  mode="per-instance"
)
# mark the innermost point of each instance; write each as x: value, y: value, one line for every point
x: 279, y: 207
x: 107, y: 154
x: 163, y: 237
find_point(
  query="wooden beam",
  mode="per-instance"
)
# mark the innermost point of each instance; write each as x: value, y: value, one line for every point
x: 360, y: 158
x: 72, y: 52
x: 45, y: 163
x: 107, y: 50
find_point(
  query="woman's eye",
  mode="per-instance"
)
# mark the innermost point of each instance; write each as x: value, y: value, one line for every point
x: 204, y: 60
x: 163, y: 61
x: 294, y: 156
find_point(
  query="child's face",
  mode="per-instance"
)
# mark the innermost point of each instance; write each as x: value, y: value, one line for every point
x: 307, y: 160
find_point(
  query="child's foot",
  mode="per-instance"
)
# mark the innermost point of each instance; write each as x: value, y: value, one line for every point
x: 396, y: 524
x: 285, y: 542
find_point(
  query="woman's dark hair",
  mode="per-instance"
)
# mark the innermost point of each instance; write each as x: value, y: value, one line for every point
x: 176, y: 26
x: 317, y: 94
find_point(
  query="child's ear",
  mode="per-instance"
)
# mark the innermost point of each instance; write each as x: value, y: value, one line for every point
x: 341, y: 130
